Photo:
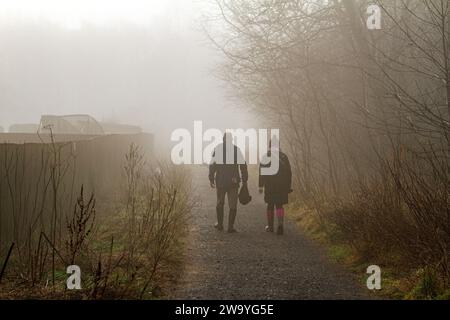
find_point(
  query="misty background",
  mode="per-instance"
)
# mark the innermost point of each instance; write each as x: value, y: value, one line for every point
x: 146, y: 63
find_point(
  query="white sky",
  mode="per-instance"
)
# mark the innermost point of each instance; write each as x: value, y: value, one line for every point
x: 159, y: 78
x: 72, y: 13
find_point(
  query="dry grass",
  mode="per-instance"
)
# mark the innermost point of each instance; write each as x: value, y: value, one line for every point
x: 398, y: 223
x: 128, y: 248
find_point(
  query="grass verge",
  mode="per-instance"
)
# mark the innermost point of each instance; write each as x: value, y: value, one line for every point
x: 399, y: 281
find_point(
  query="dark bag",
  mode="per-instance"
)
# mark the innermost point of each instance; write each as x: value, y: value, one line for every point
x: 244, y: 195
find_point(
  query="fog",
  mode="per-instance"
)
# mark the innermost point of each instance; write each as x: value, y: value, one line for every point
x: 146, y: 63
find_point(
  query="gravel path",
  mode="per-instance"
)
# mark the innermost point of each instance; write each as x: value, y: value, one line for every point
x: 253, y: 264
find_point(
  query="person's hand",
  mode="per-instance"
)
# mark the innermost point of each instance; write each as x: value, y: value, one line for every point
x: 213, y: 185
x: 261, y: 190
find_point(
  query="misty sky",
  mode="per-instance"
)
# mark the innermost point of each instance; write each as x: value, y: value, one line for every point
x: 143, y: 62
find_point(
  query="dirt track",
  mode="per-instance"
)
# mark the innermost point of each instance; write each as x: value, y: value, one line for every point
x: 253, y: 264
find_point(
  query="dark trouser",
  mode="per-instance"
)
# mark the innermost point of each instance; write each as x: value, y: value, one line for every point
x: 232, y: 195
x: 271, y: 213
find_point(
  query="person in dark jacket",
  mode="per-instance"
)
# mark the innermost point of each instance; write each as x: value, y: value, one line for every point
x: 276, y: 188
x: 224, y: 176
